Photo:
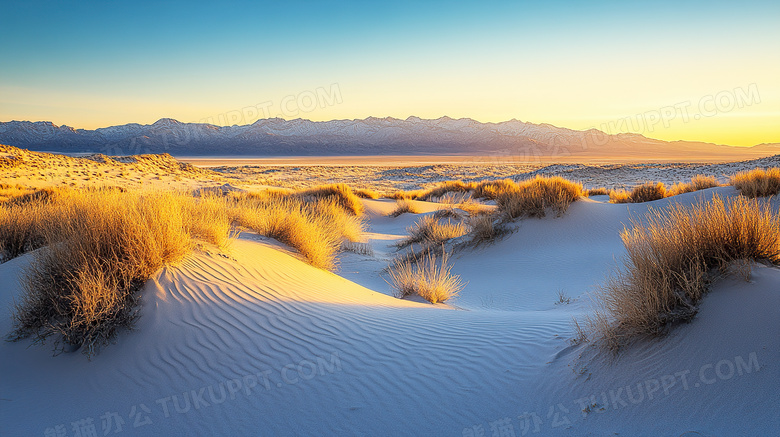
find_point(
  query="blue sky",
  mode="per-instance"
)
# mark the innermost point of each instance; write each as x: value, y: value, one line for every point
x: 575, y: 64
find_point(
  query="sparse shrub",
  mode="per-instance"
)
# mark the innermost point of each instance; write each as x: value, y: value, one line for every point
x: 597, y: 192
x: 670, y: 261
x: 444, y: 188
x: 340, y: 192
x: 207, y: 218
x: 646, y: 192
x: 428, y: 277
x: 533, y: 197
x: 403, y: 206
x: 83, y: 286
x: 430, y: 231
x: 25, y: 220
x: 315, y: 229
x: 563, y: 299
x: 698, y: 182
x: 758, y: 182
x: 484, y: 229
x: 490, y: 190
x: 10, y: 192
x: 397, y: 195
x: 401, y: 194
x: 447, y: 212
x: 473, y: 208
x: 365, y: 193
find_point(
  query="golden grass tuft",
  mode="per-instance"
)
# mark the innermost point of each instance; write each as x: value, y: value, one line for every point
x: 403, y: 206
x: 26, y: 219
x: 341, y: 193
x: 444, y: 188
x: 473, y: 208
x: 670, y: 261
x: 490, y: 190
x: 207, y: 218
x: 316, y: 229
x: 82, y: 287
x: 10, y: 192
x: 597, y: 192
x: 484, y: 229
x: 698, y: 182
x: 365, y: 193
x: 401, y: 194
x: 646, y: 192
x: 430, y: 231
x: 535, y: 196
x: 757, y: 182
x: 427, y: 276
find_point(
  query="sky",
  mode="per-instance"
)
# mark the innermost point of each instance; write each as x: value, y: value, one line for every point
x: 704, y: 71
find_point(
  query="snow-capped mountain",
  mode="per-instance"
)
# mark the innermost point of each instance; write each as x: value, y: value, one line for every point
x: 370, y: 136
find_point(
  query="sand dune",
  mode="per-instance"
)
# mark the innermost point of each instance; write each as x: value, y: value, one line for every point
x: 256, y: 342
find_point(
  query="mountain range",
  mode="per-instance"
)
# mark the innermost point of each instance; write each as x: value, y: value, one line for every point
x: 370, y: 136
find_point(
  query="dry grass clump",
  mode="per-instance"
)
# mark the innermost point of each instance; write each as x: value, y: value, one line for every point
x: 447, y: 212
x: 259, y: 195
x: 9, y: 192
x: 82, y: 288
x: 533, y: 197
x: 25, y: 221
x: 403, y: 206
x: 444, y: 188
x: 597, y: 192
x: 22, y: 229
x: 340, y: 192
x: 207, y: 218
x: 473, y: 208
x: 698, y: 182
x: 365, y: 193
x: 646, y: 192
x: 670, y: 261
x: 758, y: 182
x: 430, y: 231
x: 484, y: 229
x: 316, y: 229
x: 401, y: 194
x: 427, y: 276
x: 490, y: 190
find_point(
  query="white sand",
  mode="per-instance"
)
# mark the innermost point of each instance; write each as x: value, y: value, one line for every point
x: 342, y: 359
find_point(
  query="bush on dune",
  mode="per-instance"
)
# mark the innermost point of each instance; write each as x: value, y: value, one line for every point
x: 10, y: 192
x: 365, y: 193
x: 403, y: 206
x: 698, y: 182
x: 425, y: 276
x: 646, y: 192
x: 670, y: 261
x: 341, y: 193
x: 82, y: 288
x: 758, y: 182
x: 473, y: 208
x: 597, y: 192
x: 207, y: 218
x: 484, y: 229
x: 22, y: 228
x: 490, y: 190
x: 404, y: 195
x: 534, y: 197
x: 430, y: 231
x: 444, y: 188
x: 315, y: 229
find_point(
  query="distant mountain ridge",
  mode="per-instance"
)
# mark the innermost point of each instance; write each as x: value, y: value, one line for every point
x: 370, y: 136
